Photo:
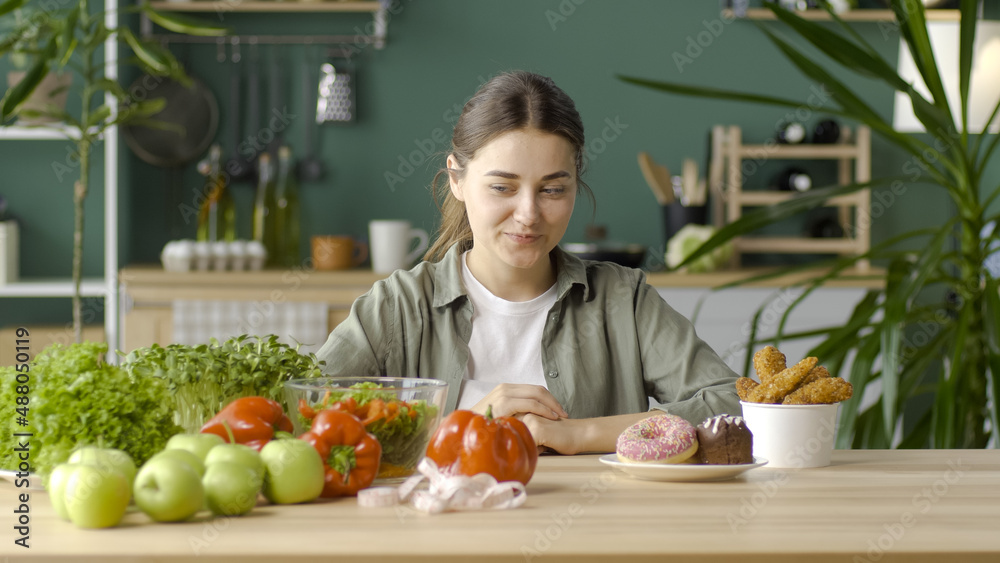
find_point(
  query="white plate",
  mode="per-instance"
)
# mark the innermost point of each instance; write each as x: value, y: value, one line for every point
x: 680, y: 471
x: 34, y: 482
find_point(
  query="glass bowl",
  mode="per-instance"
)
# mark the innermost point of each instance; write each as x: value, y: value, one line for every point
x: 402, y: 412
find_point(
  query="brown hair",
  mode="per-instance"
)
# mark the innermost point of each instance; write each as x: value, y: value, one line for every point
x: 508, y: 102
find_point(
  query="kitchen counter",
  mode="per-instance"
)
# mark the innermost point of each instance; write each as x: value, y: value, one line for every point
x: 150, y: 294
x: 869, y: 505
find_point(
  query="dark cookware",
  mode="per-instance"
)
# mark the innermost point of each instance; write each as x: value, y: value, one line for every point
x: 630, y: 255
x: 178, y: 134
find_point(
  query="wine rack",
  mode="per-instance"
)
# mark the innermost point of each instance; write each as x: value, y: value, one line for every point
x: 853, y: 156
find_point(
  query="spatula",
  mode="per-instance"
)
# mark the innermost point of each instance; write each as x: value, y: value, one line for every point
x: 658, y: 178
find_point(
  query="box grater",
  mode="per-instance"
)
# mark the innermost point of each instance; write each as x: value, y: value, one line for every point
x: 335, y: 103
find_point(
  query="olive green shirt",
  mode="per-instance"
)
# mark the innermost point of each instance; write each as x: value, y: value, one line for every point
x: 609, y: 343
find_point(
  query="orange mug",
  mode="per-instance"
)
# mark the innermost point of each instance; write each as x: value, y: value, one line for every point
x: 337, y: 252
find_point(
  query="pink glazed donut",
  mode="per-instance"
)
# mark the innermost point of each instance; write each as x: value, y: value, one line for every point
x: 664, y: 438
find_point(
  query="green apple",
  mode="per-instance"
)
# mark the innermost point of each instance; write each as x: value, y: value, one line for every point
x: 106, y: 457
x: 231, y: 488
x: 293, y: 471
x: 184, y: 456
x: 57, y: 487
x: 168, y: 489
x: 198, y: 444
x: 96, y: 497
x: 236, y: 453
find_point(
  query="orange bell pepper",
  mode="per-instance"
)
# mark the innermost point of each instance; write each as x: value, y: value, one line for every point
x: 350, y: 454
x: 467, y: 443
x: 253, y: 420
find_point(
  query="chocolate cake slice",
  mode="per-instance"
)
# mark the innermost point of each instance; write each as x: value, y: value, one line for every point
x: 724, y: 440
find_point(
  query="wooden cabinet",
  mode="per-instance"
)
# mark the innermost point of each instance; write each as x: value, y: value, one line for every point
x: 150, y: 293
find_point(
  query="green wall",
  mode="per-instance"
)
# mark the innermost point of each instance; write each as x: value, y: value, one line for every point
x: 409, y: 93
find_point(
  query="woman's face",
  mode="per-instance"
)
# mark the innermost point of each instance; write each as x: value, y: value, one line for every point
x: 519, y: 192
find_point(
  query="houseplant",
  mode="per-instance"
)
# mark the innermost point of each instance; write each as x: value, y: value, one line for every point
x: 70, y: 36
x: 944, y: 392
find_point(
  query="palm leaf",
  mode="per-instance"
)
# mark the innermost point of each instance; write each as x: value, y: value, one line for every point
x: 8, y: 6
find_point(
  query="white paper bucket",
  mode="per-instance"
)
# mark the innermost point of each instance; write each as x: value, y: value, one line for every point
x: 792, y: 436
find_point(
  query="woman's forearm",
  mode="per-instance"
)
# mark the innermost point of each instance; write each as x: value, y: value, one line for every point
x: 582, y: 435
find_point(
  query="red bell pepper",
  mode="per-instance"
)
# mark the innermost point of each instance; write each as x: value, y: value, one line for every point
x: 253, y: 420
x: 350, y: 454
x: 467, y: 443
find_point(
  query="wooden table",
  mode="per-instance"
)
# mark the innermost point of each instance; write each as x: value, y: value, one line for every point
x: 867, y: 506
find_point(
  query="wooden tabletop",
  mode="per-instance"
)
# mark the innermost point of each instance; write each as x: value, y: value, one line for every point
x: 869, y: 505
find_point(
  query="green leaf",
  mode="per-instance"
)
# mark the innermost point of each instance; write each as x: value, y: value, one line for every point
x: 764, y: 216
x: 991, y: 326
x: 845, y: 52
x: 151, y: 58
x: 16, y: 95
x: 184, y: 24
x: 860, y: 376
x: 966, y: 45
x: 913, y: 26
x: 67, y: 40
x: 8, y: 6
x: 98, y: 116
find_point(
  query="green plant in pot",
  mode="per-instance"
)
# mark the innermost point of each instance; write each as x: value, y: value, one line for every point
x: 945, y: 393
x: 69, y: 37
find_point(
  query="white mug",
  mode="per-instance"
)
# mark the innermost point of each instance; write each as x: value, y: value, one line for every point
x: 389, y: 244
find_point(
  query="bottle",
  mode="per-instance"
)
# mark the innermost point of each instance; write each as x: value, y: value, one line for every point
x: 263, y: 208
x: 217, y: 216
x: 826, y: 132
x: 286, y: 211
x: 826, y: 227
x: 794, y: 180
x: 790, y: 133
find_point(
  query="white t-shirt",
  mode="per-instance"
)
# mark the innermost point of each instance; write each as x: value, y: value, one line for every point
x: 506, y: 341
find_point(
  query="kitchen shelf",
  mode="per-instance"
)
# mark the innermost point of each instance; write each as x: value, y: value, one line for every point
x: 850, y: 15
x: 54, y: 287
x: 223, y: 7
x: 378, y: 10
x: 105, y: 287
x: 54, y: 132
x: 729, y: 198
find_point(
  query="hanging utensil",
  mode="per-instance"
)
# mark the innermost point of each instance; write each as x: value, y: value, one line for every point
x: 178, y: 134
x: 275, y: 99
x: 336, y: 92
x: 658, y: 178
x: 310, y: 168
x: 238, y: 167
x: 253, y: 111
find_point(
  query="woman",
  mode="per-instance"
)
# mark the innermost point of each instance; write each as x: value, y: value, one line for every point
x: 573, y: 348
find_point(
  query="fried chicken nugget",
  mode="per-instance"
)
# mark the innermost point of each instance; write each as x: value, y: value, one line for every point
x: 783, y: 383
x: 816, y: 373
x: 744, y: 386
x: 768, y: 362
x: 821, y: 391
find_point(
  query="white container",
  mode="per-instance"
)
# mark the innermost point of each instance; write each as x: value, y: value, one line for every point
x: 792, y: 436
x: 8, y: 252
x: 238, y: 255
x: 202, y: 255
x: 390, y: 245
x: 256, y: 255
x: 220, y: 256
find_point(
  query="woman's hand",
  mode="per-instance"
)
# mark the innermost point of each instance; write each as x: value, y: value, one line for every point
x: 557, y: 436
x: 511, y: 399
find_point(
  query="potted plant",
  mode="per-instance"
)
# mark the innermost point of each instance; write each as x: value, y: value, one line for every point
x: 946, y: 392
x: 68, y: 36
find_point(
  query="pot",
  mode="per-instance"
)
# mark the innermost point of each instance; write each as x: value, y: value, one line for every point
x: 629, y: 255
